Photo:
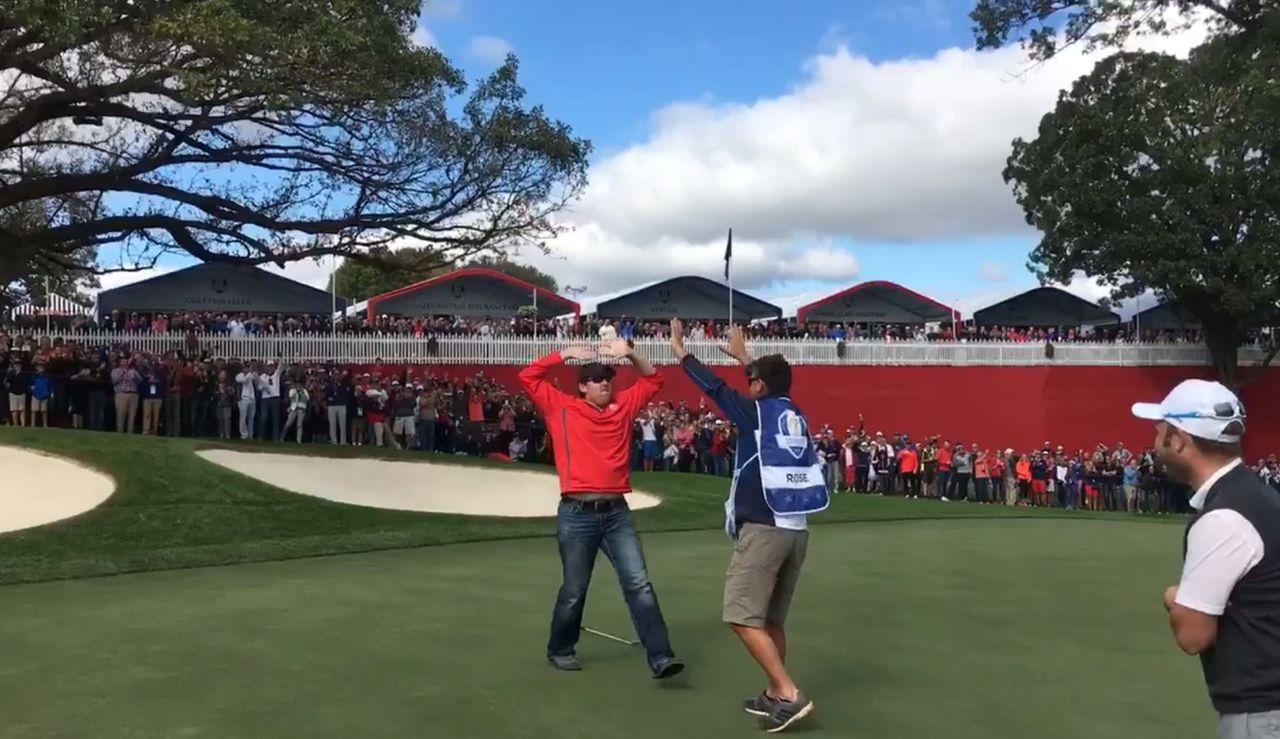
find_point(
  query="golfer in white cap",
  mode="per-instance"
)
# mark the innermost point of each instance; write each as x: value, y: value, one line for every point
x: 1226, y: 609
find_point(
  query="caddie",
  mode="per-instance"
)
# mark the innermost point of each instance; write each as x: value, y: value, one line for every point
x: 777, y: 482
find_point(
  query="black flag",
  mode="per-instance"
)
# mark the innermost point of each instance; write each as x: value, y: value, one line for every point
x: 728, y: 254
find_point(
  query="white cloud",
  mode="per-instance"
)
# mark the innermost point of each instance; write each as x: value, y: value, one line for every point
x: 593, y: 258
x: 905, y: 150
x: 1085, y: 287
x: 422, y: 36
x: 434, y: 10
x: 1092, y: 290
x: 443, y: 9
x: 901, y: 150
x: 489, y: 49
x: 112, y: 280
x: 993, y: 272
x: 311, y: 272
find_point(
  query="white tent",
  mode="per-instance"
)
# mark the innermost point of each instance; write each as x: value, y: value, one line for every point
x: 55, y: 305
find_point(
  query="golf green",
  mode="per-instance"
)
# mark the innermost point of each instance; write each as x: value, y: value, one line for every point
x: 933, y: 628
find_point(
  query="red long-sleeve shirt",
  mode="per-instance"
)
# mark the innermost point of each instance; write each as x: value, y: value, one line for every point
x: 592, y: 445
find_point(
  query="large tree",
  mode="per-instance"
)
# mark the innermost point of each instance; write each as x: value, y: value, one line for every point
x: 1046, y: 26
x: 263, y: 131
x: 1157, y: 173
x: 384, y: 270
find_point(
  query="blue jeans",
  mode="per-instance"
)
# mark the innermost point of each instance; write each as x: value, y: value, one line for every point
x: 270, y: 424
x: 582, y: 531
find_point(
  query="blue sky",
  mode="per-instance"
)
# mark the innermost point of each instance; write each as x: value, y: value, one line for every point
x: 842, y: 141
x: 606, y: 66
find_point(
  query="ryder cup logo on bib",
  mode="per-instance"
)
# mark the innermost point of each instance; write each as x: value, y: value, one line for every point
x: 790, y: 470
x: 793, y: 433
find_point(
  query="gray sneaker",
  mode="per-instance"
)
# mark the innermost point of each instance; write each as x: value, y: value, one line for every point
x: 567, y: 662
x: 785, y: 713
x: 761, y: 705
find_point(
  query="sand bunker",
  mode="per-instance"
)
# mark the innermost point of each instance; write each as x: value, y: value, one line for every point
x: 41, y: 488
x: 408, y: 486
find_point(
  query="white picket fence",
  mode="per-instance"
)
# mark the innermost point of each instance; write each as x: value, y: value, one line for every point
x: 361, y: 349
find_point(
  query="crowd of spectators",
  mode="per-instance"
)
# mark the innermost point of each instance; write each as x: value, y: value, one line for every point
x: 248, y: 324
x: 113, y: 388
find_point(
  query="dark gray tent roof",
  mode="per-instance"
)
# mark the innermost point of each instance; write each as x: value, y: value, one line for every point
x: 221, y: 288
x: 1045, y: 306
x: 1163, y: 316
x: 687, y: 297
x: 876, y: 302
x: 472, y: 291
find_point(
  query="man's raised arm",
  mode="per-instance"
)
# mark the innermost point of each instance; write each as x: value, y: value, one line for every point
x: 737, y: 346
x: 621, y: 348
x: 635, y: 397
x: 534, y: 377
x: 737, y: 408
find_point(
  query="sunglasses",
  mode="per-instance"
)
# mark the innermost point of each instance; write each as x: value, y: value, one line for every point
x: 1221, y: 411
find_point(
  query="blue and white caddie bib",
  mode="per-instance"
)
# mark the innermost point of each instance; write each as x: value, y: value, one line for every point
x: 790, y: 470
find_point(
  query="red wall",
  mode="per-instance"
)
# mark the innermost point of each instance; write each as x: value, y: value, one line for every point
x: 995, y: 407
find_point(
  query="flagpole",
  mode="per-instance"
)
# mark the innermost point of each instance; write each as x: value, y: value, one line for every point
x: 47, y: 318
x: 333, y: 293
x: 728, y: 273
x: 730, y: 299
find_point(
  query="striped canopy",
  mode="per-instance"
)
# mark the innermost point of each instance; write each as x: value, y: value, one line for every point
x: 56, y: 305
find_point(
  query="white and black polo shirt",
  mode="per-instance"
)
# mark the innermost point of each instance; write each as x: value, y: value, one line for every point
x: 1231, y: 569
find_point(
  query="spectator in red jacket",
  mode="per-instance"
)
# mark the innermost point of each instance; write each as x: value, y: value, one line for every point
x: 591, y: 434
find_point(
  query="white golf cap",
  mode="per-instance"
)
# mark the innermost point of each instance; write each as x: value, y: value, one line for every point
x: 1207, y: 410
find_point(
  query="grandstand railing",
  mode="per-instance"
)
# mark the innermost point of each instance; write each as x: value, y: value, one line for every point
x: 363, y: 349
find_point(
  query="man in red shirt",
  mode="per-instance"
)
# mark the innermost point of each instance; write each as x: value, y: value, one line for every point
x: 591, y: 437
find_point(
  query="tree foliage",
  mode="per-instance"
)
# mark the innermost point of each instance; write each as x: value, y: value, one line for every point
x: 529, y: 274
x: 263, y: 131
x: 1046, y: 26
x: 33, y: 272
x: 383, y: 271
x: 1164, y: 174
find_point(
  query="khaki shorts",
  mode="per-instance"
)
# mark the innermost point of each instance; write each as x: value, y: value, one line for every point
x: 17, y: 403
x: 39, y: 406
x: 762, y: 575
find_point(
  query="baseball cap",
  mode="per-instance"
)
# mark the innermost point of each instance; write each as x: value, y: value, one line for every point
x: 1204, y: 409
x: 595, y: 371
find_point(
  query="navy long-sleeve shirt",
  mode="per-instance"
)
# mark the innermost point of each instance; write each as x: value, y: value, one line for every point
x: 749, y: 505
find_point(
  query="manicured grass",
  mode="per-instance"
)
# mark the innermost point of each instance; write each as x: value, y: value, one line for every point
x: 982, y: 629
x: 172, y: 509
